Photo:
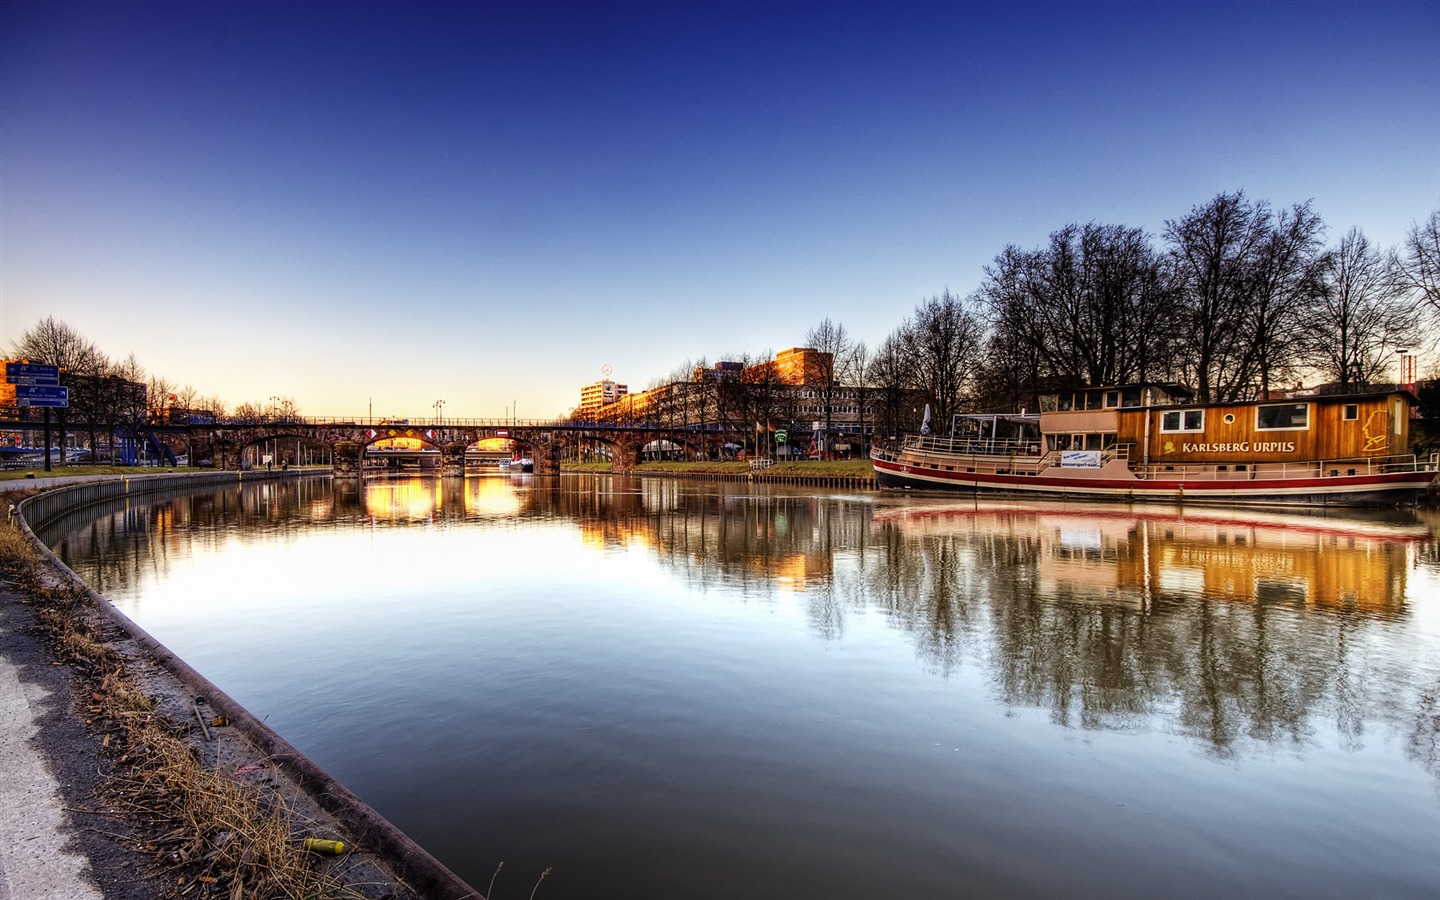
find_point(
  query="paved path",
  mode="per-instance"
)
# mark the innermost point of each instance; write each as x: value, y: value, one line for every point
x: 35, y: 860
x: 41, y: 841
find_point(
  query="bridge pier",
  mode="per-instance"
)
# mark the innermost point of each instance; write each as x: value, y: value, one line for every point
x: 347, y: 458
x: 202, y: 451
x: 547, y: 457
x: 624, y: 457
x: 452, y: 459
x: 227, y: 455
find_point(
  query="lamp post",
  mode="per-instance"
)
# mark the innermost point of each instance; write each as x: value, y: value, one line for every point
x: 1405, y: 360
x: 439, y: 408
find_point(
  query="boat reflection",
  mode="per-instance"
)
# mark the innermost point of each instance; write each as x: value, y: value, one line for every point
x: 1134, y: 555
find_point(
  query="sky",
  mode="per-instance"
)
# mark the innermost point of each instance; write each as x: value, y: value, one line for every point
x: 370, y: 207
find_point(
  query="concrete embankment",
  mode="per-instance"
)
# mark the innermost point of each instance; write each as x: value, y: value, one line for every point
x: 381, y: 847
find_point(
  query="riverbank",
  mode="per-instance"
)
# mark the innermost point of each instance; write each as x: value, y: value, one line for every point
x: 162, y: 784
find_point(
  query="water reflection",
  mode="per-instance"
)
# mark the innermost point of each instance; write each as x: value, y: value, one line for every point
x: 1099, y: 614
x: 1243, y: 635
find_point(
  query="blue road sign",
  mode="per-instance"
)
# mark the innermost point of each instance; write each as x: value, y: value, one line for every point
x: 43, y: 394
x: 32, y: 373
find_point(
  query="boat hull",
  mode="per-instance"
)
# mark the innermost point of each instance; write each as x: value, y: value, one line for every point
x: 1369, y: 489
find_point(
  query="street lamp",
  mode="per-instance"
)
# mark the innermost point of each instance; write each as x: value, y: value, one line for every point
x: 1405, y: 360
x: 439, y: 408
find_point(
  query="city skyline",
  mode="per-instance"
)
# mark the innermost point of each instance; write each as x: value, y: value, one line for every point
x: 372, y: 207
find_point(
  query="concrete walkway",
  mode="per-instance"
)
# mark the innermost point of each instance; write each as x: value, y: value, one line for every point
x: 35, y: 832
x: 43, y: 846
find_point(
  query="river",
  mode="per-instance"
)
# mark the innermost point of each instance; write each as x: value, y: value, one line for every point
x: 673, y: 688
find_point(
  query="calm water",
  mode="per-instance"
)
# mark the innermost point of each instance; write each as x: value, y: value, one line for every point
x: 681, y: 689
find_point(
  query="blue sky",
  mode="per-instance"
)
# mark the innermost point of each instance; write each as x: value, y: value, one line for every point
x: 382, y: 205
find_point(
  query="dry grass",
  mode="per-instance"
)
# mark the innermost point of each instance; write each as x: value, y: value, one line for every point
x: 211, y: 833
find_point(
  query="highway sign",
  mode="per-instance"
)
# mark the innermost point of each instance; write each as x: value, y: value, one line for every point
x: 31, y: 373
x: 43, y: 394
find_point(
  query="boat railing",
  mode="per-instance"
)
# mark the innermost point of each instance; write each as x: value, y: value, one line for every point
x: 963, y: 446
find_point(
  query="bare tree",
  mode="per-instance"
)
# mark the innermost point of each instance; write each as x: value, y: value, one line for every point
x: 832, y: 344
x: 856, y: 372
x: 161, y: 398
x: 1090, y: 308
x: 756, y: 395
x: 943, y: 342
x: 186, y: 399
x: 1285, y: 277
x: 890, y: 374
x: 52, y: 342
x: 249, y: 412
x: 1420, y: 265
x: 1211, y: 251
x: 1361, y: 313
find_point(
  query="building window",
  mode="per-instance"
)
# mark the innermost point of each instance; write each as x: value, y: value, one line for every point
x: 1183, y: 420
x: 1283, y: 417
x: 1352, y: 412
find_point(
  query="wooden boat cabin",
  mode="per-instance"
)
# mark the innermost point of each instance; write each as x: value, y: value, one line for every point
x: 1160, y: 424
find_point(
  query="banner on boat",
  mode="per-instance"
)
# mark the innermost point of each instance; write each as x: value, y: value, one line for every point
x: 1080, y: 459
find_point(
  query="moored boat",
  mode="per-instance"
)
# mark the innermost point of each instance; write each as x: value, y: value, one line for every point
x: 1152, y: 442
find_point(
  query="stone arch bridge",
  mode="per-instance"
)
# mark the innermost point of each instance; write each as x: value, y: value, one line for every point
x: 221, y: 444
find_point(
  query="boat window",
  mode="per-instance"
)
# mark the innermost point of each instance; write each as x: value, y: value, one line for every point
x: 1283, y: 416
x: 1183, y: 420
x: 1112, y: 399
x: 1048, y: 402
x: 1066, y: 401
x: 1095, y: 400
x: 1352, y: 412
x: 1130, y: 397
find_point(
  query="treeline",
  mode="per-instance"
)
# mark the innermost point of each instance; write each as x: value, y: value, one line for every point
x: 1234, y: 299
x: 118, y: 395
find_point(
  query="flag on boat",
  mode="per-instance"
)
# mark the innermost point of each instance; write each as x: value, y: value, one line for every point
x: 925, y: 424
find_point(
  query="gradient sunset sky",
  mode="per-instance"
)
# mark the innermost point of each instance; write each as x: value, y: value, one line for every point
x: 381, y: 205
